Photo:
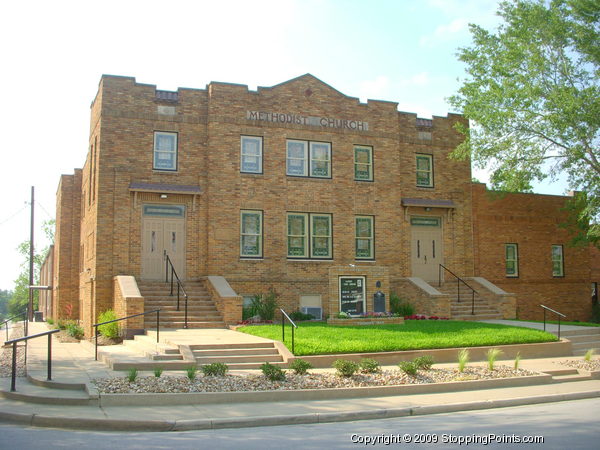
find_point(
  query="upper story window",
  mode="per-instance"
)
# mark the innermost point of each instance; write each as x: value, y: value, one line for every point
x: 165, y: 151
x: 251, y: 232
x: 363, y: 163
x: 365, y: 237
x: 424, y: 170
x: 558, y: 263
x: 309, y: 235
x: 251, y: 154
x: 512, y: 260
x: 306, y: 158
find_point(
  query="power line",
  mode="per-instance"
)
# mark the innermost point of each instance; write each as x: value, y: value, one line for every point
x: 14, y: 215
x: 44, y: 209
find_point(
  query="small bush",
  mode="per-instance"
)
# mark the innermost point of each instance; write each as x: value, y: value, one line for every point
x: 589, y: 354
x: 463, y: 359
x: 424, y: 362
x: 300, y: 366
x: 158, y: 372
x: 517, y: 361
x: 400, y: 306
x: 345, y: 368
x: 491, y: 355
x: 50, y: 321
x: 191, y: 372
x: 298, y: 316
x: 75, y: 330
x: 132, y: 374
x: 110, y: 330
x: 342, y: 315
x: 368, y: 365
x: 265, y: 305
x: 272, y: 372
x: 408, y: 367
x: 216, y: 369
x: 62, y: 324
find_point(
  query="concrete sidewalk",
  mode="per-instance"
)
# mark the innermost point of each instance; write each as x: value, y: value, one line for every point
x: 65, y: 403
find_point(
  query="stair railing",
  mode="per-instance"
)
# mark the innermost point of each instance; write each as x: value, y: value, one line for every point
x: 170, y: 269
x: 5, y: 323
x: 294, y: 326
x: 458, y: 281
x: 96, y: 325
x: 555, y: 312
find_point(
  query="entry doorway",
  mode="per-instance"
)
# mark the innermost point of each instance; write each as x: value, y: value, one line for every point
x: 163, y: 231
x: 426, y: 247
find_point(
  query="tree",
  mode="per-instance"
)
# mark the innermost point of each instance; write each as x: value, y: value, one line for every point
x: 533, y: 97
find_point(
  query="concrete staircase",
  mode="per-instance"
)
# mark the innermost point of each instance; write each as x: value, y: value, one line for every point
x: 202, y: 312
x: 484, y: 307
x: 582, y: 340
x: 237, y: 356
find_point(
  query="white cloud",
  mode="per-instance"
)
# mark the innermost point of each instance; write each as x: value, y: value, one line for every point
x: 374, y: 89
x: 444, y: 33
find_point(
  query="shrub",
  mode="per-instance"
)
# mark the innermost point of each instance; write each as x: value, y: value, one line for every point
x: 400, y: 306
x: 463, y: 359
x: 589, y: 354
x: 272, y: 372
x: 265, y: 305
x: 158, y: 372
x: 368, y: 365
x: 300, y: 366
x: 408, y: 367
x: 517, y: 360
x: 216, y: 369
x: 110, y: 330
x: 61, y: 324
x: 191, y: 372
x: 50, y: 321
x: 345, y: 368
x: 299, y: 316
x: 424, y: 362
x: 342, y: 315
x: 75, y: 330
x: 491, y: 355
x: 132, y: 374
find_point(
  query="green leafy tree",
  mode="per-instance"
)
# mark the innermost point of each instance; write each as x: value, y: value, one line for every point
x: 4, y: 298
x: 533, y: 97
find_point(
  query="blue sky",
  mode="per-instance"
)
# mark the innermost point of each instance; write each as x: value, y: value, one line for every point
x: 55, y: 52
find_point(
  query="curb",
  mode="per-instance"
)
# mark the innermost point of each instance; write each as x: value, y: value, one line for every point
x: 78, y: 423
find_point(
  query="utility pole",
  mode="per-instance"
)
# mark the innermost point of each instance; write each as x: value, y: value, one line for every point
x: 30, y: 307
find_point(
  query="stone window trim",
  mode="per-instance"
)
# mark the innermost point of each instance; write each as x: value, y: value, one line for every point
x: 511, y: 256
x: 245, y: 233
x: 370, y: 165
x: 429, y: 171
x: 370, y: 238
x: 309, y: 162
x: 260, y: 140
x: 558, y: 261
x: 156, y: 151
x: 309, y: 237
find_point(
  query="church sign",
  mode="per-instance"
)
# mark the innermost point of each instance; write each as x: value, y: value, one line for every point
x: 352, y: 295
x: 297, y: 119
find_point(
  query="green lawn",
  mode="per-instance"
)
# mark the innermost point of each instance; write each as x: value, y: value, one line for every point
x: 317, y: 338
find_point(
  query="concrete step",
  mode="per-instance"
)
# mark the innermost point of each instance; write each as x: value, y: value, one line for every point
x: 571, y: 378
x: 192, y: 324
x: 32, y: 393
x: 585, y: 346
x: 477, y: 317
x: 587, y: 331
x: 583, y: 338
x: 235, y: 352
x: 232, y: 346
x: 238, y: 359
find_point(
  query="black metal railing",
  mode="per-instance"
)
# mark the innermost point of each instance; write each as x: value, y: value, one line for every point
x: 458, y: 282
x: 175, y: 278
x: 96, y: 325
x: 284, y: 316
x: 24, y: 314
x: 555, y: 312
x: 14, y: 343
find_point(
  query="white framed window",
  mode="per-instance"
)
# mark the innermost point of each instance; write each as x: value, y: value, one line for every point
x: 424, y: 170
x: 363, y: 163
x: 364, y: 237
x: 251, y: 154
x: 305, y: 158
x: 558, y: 263
x: 251, y: 230
x: 309, y: 235
x: 512, y: 260
x: 165, y: 151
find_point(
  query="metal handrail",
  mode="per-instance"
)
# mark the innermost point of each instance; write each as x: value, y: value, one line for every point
x: 555, y: 312
x: 168, y: 263
x: 11, y: 318
x: 458, y: 281
x: 14, y: 355
x: 96, y: 325
x: 294, y: 326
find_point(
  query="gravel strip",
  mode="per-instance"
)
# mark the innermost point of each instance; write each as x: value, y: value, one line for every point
x: 235, y: 383
x: 593, y: 365
x: 6, y: 353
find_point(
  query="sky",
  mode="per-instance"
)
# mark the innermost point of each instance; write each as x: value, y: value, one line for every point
x: 54, y: 52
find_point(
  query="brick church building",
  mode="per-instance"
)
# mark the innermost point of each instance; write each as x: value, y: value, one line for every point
x: 300, y: 188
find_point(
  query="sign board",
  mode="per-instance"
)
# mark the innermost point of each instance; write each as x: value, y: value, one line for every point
x: 352, y: 295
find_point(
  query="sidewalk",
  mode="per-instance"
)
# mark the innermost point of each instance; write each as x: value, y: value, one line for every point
x: 73, y: 367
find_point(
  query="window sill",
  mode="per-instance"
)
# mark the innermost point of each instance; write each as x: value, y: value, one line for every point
x: 364, y: 261
x: 309, y: 260
x: 165, y: 171
x: 248, y: 258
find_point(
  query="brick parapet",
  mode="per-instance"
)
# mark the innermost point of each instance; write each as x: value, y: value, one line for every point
x: 128, y: 301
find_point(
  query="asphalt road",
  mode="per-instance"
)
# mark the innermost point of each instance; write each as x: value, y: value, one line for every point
x: 565, y: 425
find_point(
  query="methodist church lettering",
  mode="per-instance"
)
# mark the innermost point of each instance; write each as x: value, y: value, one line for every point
x: 324, y: 122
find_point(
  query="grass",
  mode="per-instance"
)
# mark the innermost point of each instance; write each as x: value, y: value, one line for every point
x: 562, y: 322
x: 317, y: 338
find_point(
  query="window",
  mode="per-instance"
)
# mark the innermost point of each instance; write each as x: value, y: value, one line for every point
x: 311, y: 159
x: 309, y: 235
x: 364, y: 237
x: 558, y: 266
x: 512, y: 260
x: 251, y: 224
x: 363, y: 163
x: 165, y: 151
x: 425, y: 170
x: 251, y: 154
